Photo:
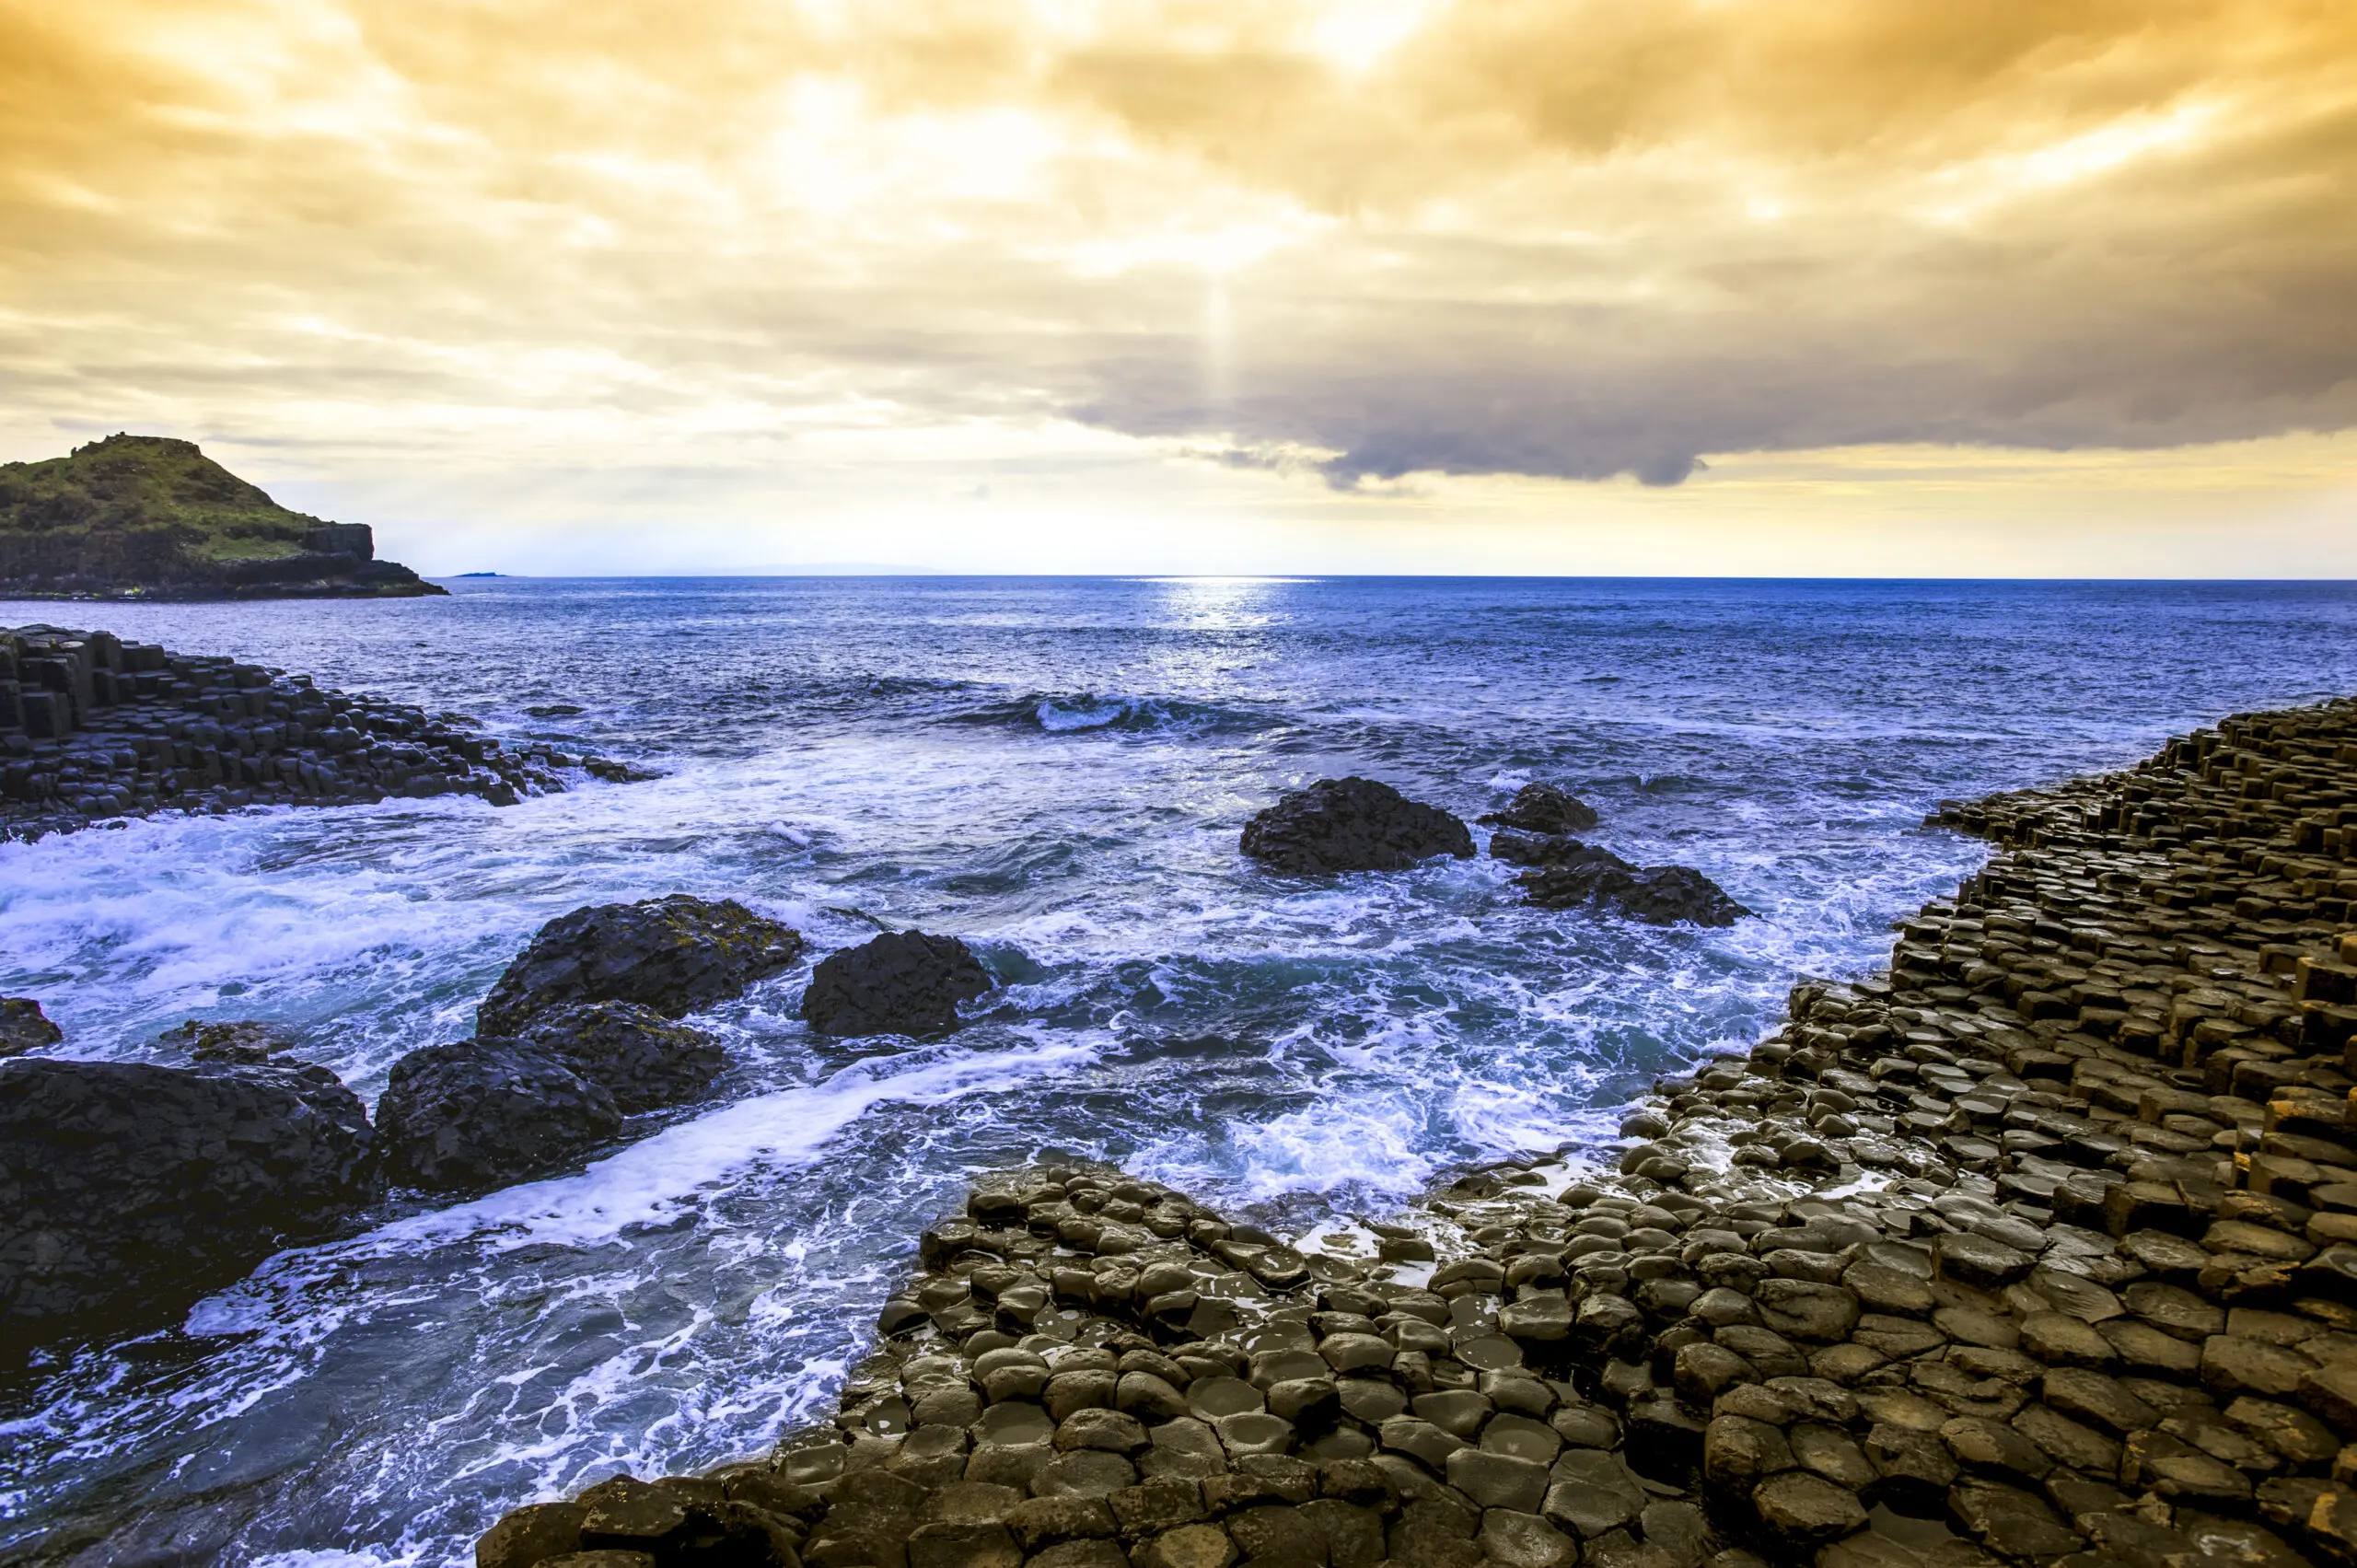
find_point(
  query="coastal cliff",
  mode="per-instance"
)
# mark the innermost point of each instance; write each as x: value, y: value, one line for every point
x: 2040, y: 1246
x: 148, y: 517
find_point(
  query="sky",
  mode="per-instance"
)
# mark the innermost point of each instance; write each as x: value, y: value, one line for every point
x: 1820, y: 287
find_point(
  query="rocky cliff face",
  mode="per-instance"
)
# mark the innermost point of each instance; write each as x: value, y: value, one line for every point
x: 146, y: 516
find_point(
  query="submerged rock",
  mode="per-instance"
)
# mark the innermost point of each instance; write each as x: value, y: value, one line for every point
x: 905, y: 983
x: 645, y: 1060
x: 485, y: 1112
x: 1658, y: 895
x: 24, y: 1027
x: 1543, y: 808
x: 673, y: 954
x: 1352, y: 824
x: 128, y: 1189
x: 241, y: 1040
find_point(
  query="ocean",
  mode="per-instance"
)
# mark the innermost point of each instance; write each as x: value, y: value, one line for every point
x: 1056, y: 770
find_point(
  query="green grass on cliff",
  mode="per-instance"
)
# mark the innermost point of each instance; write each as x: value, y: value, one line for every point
x: 150, y: 483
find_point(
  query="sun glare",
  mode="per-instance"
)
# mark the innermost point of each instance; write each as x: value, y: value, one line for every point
x: 1355, y: 35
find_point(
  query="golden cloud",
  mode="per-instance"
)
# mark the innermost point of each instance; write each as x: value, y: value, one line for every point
x: 1380, y: 236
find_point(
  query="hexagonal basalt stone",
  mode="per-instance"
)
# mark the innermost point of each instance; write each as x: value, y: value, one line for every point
x: 1541, y: 1319
x: 1805, y: 1509
x: 1188, y: 1546
x: 1591, y: 1492
x: 2010, y: 1521
x: 1498, y: 1481
x: 1981, y: 1261
x: 1801, y: 1309
x: 1109, y: 1430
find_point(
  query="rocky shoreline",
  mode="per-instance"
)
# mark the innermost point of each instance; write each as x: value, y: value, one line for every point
x: 2041, y: 1247
x: 94, y: 728
x: 129, y: 1190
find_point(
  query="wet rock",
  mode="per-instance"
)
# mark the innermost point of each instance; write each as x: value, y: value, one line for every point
x: 2010, y: 1520
x: 2057, y: 1338
x: 127, y: 1189
x: 2232, y: 1366
x: 1523, y: 1540
x: 628, y: 1515
x: 23, y: 1027
x: 1351, y: 824
x: 645, y: 1060
x: 945, y: 1545
x: 1880, y: 1288
x: 1980, y: 1261
x: 1590, y: 1493
x: 1981, y: 1443
x: 2165, y: 1463
x: 104, y: 730
x: 1498, y: 1481
x: 1544, y: 849
x: 1821, y: 1312
x: 1110, y: 1431
x: 531, y: 1535
x: 1050, y: 1520
x: 904, y: 983
x: 1828, y: 1451
x: 2293, y: 1434
x: 1540, y: 1317
x: 1740, y: 1451
x: 1188, y: 1546
x: 2069, y: 1442
x: 1659, y: 895
x: 674, y: 953
x: 1699, y: 1371
x: 1542, y: 808
x: 486, y: 1113
x: 2102, y: 1401
x: 241, y: 1040
x: 1914, y: 1466
x: 1091, y: 1473
x: 1153, y: 1507
x: 1805, y: 1509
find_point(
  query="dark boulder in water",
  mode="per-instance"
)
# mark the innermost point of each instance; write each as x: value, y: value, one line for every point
x: 903, y: 982
x: 645, y: 1060
x: 1658, y: 895
x: 1543, y: 808
x: 241, y: 1040
x: 673, y: 954
x: 128, y: 1190
x: 1352, y: 824
x: 485, y: 1112
x: 24, y: 1027
x: 1540, y: 849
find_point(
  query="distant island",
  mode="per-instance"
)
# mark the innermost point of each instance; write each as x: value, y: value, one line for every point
x: 149, y: 516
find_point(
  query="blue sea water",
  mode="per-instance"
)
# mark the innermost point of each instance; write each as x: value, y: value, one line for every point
x: 1057, y: 770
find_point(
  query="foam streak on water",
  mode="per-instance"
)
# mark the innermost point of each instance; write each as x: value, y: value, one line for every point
x: 1059, y: 771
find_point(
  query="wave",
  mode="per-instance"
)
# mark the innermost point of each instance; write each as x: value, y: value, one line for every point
x: 1064, y: 712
